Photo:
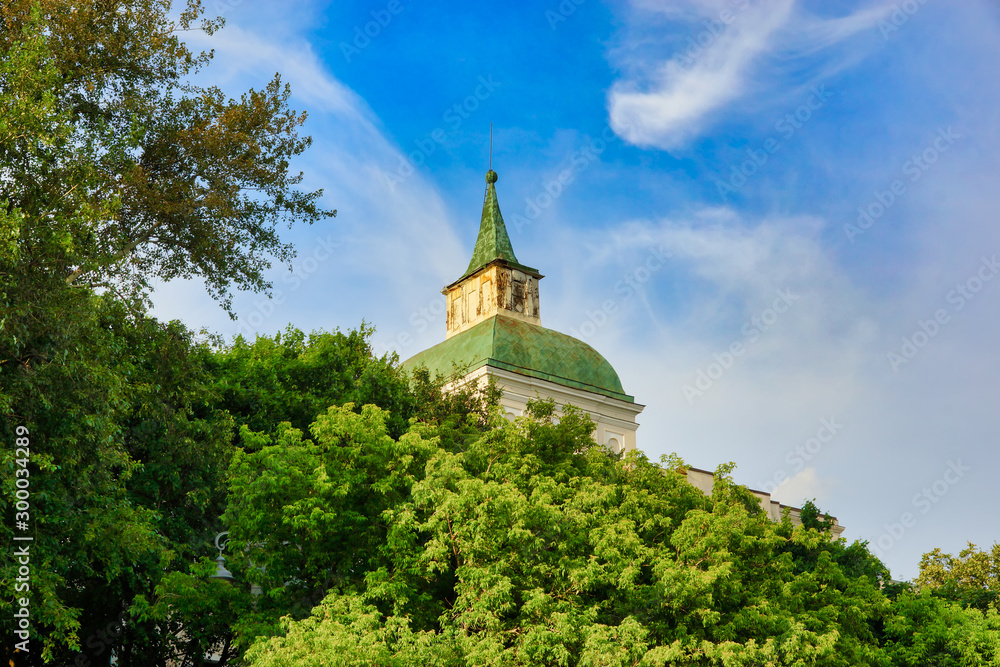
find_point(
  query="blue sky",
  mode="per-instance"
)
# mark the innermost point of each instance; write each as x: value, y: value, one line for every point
x: 778, y: 220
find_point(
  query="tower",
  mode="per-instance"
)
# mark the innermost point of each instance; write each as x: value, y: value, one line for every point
x: 494, y: 331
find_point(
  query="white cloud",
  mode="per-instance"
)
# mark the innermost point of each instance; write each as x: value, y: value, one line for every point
x: 825, y: 358
x: 673, y: 104
x: 813, y: 33
x: 380, y: 226
x: 805, y: 485
x: 724, y: 273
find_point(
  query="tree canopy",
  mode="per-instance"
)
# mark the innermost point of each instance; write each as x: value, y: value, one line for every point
x: 971, y: 578
x: 534, y: 546
x: 138, y: 174
x: 116, y: 172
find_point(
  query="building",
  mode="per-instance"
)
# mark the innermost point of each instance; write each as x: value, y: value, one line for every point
x: 494, y: 331
x: 703, y: 480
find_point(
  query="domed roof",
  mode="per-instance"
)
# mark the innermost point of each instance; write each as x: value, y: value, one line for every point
x: 526, y: 349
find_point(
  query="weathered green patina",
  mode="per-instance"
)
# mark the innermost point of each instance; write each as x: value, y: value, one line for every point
x: 526, y: 349
x: 493, y: 242
x: 508, y: 343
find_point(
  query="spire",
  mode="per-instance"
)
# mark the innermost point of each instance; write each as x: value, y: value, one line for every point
x: 493, y: 241
x: 495, y: 282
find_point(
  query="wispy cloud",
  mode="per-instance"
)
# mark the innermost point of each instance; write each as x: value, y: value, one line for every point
x: 672, y: 103
x: 805, y: 485
x: 378, y: 228
x: 666, y: 283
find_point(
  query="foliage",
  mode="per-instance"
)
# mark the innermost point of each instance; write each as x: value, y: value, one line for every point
x: 191, y: 612
x: 129, y: 459
x: 55, y: 359
x: 972, y: 578
x: 534, y: 546
x: 305, y: 513
x: 811, y: 516
x: 293, y: 377
x: 123, y: 170
x: 928, y: 630
x: 115, y: 172
x: 307, y: 516
x: 462, y: 402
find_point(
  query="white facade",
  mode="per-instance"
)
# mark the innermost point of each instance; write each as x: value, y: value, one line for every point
x: 615, y: 419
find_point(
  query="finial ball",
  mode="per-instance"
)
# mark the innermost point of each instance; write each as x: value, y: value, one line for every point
x: 491, y: 176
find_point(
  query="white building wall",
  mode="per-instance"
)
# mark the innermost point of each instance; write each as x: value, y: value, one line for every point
x: 615, y: 418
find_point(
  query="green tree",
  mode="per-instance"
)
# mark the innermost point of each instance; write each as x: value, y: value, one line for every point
x: 925, y: 629
x: 116, y: 171
x: 292, y: 377
x: 306, y: 510
x: 533, y: 546
x: 972, y: 578
x: 145, y: 176
x: 55, y: 358
x: 812, y: 517
x: 128, y: 459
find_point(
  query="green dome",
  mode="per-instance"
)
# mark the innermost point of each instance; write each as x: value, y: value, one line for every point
x: 526, y: 349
